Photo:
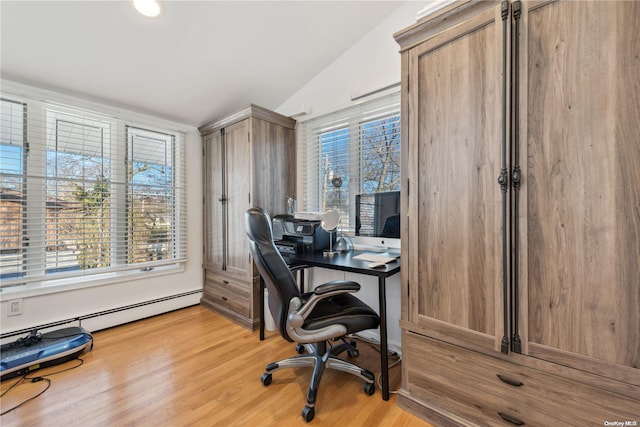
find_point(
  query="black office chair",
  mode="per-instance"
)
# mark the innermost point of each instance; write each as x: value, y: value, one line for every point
x: 310, y: 319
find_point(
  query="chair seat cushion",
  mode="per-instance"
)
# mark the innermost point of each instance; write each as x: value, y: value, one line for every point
x: 344, y: 309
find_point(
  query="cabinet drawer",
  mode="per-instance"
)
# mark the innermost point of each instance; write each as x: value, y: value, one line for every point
x: 465, y: 406
x: 227, y: 293
x: 490, y: 386
x: 434, y: 379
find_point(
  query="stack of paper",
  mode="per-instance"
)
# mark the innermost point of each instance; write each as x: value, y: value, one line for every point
x: 373, y: 257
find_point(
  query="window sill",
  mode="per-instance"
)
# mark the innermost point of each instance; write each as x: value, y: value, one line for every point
x: 75, y: 283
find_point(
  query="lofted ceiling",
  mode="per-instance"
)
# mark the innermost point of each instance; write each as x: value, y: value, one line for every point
x: 197, y: 61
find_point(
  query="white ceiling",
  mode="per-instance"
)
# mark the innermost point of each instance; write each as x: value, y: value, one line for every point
x: 198, y: 61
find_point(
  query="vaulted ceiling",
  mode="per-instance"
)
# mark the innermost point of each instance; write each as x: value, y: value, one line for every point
x: 197, y: 61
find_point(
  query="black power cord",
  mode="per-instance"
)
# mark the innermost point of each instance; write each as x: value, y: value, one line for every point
x: 35, y: 380
x: 376, y: 346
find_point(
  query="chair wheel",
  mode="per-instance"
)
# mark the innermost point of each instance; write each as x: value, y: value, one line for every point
x: 266, y: 379
x: 300, y: 348
x: 308, y: 413
x: 369, y: 388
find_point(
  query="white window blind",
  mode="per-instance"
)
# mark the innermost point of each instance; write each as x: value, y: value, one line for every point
x: 350, y: 152
x: 12, y: 185
x: 84, y: 194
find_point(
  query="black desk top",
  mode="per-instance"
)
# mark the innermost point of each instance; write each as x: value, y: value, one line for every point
x: 343, y: 261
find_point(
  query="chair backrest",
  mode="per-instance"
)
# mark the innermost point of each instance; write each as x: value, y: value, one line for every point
x: 274, y: 270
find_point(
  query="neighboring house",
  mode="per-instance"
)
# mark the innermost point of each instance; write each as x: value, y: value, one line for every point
x: 11, y: 227
x: 11, y: 210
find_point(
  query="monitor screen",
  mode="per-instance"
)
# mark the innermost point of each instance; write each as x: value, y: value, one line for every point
x: 378, y: 214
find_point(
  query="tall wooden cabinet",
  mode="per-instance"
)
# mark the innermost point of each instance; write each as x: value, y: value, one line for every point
x: 521, y: 249
x: 249, y: 160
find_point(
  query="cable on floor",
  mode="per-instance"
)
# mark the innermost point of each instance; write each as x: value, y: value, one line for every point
x: 376, y: 346
x: 35, y: 380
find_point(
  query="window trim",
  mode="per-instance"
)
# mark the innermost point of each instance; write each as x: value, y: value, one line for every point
x: 82, y: 282
x: 351, y: 118
x: 67, y: 281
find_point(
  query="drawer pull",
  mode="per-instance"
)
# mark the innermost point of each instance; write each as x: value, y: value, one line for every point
x: 225, y: 299
x: 510, y: 381
x: 510, y: 419
x: 226, y: 282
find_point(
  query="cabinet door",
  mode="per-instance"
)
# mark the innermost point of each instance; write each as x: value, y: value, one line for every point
x: 581, y: 223
x: 274, y: 166
x: 455, y: 204
x: 213, y: 207
x: 238, y: 181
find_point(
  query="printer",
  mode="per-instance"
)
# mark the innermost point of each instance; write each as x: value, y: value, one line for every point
x: 293, y: 235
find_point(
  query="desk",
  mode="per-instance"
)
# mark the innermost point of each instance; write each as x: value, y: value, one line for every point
x: 345, y: 262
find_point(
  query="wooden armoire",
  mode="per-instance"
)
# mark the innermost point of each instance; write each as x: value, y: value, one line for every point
x: 521, y: 189
x: 249, y: 161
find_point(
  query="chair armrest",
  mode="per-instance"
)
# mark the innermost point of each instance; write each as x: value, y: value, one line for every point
x: 299, y: 312
x: 298, y: 267
x: 337, y: 286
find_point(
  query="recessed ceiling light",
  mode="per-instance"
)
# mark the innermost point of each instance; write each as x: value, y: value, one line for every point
x: 149, y: 8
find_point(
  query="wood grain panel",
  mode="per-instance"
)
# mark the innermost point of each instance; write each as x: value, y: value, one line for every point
x: 212, y: 210
x: 228, y: 293
x: 472, y: 378
x: 238, y: 171
x: 434, y: 382
x: 582, y: 172
x: 459, y: 200
x: 273, y: 165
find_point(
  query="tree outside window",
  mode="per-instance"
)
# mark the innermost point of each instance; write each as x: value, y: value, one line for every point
x: 85, y: 193
x: 361, y: 155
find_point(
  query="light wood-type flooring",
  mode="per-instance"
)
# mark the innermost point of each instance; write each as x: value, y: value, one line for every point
x: 193, y: 367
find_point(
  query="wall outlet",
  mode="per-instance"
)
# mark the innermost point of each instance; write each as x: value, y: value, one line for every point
x: 15, y: 307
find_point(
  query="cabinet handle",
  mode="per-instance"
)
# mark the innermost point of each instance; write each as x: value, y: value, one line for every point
x: 510, y: 419
x: 510, y: 381
x: 226, y: 282
x: 516, y: 342
x: 225, y: 299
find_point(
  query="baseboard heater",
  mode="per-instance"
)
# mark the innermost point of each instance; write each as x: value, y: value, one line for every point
x: 98, y: 314
x: 39, y: 350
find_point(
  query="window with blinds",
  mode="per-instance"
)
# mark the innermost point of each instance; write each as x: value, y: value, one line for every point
x: 85, y: 194
x: 349, y: 152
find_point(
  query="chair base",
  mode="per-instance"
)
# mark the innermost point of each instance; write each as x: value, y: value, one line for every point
x: 320, y: 359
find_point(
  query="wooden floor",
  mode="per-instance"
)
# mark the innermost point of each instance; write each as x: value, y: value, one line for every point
x: 193, y: 367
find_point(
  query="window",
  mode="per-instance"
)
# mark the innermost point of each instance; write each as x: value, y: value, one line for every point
x: 352, y: 151
x: 150, y: 195
x: 12, y: 185
x: 86, y: 194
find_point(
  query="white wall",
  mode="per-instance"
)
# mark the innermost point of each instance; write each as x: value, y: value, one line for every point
x: 371, y: 64
x: 55, y: 304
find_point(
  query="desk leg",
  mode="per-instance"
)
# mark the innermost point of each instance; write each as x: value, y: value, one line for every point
x: 261, y: 309
x: 384, y: 354
x: 302, y: 280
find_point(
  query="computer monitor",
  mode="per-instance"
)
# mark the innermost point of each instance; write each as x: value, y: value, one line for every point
x: 378, y: 214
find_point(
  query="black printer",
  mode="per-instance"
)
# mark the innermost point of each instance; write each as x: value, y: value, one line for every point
x: 292, y: 235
